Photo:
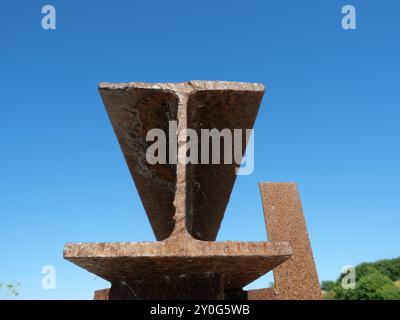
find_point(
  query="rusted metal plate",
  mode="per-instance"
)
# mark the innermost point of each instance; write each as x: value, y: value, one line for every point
x: 297, y: 278
x: 262, y: 294
x: 209, y: 185
x: 239, y: 262
x: 133, y: 111
x: 102, y: 294
x: 195, y: 195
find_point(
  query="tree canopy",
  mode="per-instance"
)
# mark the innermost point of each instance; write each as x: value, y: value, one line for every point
x: 374, y: 281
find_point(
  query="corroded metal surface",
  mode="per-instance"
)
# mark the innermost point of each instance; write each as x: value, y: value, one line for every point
x: 153, y: 263
x: 177, y: 287
x: 101, y: 294
x: 193, y: 196
x: 263, y: 294
x: 133, y: 111
x: 209, y: 186
x: 296, y: 278
x: 185, y: 204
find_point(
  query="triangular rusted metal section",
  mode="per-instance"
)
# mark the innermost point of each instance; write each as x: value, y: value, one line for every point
x: 135, y: 108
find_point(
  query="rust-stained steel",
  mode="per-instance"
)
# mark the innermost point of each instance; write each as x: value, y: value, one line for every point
x: 101, y: 294
x: 195, y: 194
x: 297, y: 278
x: 158, y: 266
x: 262, y: 294
x: 185, y: 203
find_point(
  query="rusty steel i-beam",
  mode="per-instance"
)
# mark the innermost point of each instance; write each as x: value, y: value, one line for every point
x: 185, y: 204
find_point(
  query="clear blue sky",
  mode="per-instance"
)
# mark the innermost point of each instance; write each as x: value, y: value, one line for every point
x: 329, y: 121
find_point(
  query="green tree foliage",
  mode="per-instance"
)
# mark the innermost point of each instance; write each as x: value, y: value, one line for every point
x: 391, y: 268
x: 373, y: 285
x: 9, y: 290
x: 374, y: 281
x: 327, y: 285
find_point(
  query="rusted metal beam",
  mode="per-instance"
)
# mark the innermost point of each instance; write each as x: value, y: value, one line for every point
x: 185, y: 203
x: 180, y: 198
x: 297, y: 278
